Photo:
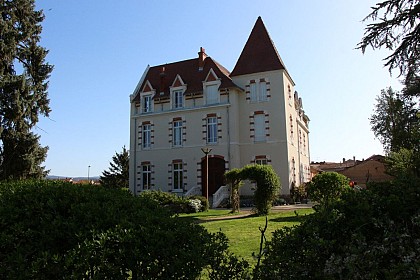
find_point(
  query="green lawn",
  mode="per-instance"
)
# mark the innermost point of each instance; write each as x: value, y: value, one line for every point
x: 243, y: 232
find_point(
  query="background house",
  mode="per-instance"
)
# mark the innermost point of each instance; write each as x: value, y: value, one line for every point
x: 250, y: 116
x: 359, y: 171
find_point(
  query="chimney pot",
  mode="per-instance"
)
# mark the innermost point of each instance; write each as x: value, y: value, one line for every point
x: 201, y: 57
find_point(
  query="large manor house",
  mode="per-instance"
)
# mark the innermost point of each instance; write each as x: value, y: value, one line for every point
x: 252, y: 115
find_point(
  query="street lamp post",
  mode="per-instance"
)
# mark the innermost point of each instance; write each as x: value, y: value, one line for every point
x: 206, y: 151
x: 88, y: 174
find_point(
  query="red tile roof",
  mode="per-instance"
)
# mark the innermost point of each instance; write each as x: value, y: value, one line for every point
x: 190, y: 74
x: 259, y: 53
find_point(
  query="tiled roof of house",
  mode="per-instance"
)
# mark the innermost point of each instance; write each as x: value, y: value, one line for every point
x: 259, y: 53
x: 162, y: 77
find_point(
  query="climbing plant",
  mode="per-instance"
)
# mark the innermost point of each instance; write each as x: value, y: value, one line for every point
x: 267, y: 185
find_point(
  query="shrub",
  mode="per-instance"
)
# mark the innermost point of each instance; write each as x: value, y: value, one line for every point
x: 368, y: 234
x: 176, y: 204
x: 56, y: 230
x: 204, y: 202
x: 327, y: 187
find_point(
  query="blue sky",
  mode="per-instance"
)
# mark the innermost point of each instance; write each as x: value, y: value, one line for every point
x: 100, y: 49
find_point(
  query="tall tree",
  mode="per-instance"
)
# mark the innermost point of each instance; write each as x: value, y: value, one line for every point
x: 395, y: 121
x: 396, y: 27
x: 117, y: 175
x: 23, y: 90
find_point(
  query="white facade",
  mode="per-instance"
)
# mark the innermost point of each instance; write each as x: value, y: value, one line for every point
x: 254, y: 118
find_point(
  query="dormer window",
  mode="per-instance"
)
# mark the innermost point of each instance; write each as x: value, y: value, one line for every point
x: 147, y: 103
x: 212, y: 94
x: 177, y: 99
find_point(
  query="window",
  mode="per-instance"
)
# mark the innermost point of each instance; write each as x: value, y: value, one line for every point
x: 294, y: 170
x: 147, y: 104
x: 177, y: 133
x: 146, y: 130
x: 212, y: 94
x: 259, y: 127
x: 177, y: 99
x: 146, y: 176
x: 261, y: 161
x: 291, y: 127
x: 177, y: 176
x: 211, y: 130
x: 262, y: 96
x: 253, y: 91
x: 258, y: 91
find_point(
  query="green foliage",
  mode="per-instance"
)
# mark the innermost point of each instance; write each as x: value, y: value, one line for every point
x: 204, y: 202
x: 267, y: 181
x: 117, y: 176
x: 176, y: 204
x: 23, y: 95
x: 233, y: 178
x: 368, y: 234
x: 395, y: 121
x: 404, y: 164
x: 299, y: 193
x: 397, y: 29
x: 327, y: 187
x: 56, y: 230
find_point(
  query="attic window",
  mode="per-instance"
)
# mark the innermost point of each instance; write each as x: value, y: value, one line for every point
x: 177, y: 99
x: 147, y: 103
x: 212, y: 94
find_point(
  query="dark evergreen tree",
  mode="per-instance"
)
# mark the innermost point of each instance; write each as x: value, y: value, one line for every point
x: 23, y: 90
x: 117, y: 175
x: 396, y: 27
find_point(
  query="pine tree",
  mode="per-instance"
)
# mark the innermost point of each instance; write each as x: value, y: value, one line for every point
x: 117, y: 175
x: 23, y: 90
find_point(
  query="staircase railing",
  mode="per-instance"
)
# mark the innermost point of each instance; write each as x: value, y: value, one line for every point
x: 222, y: 193
x: 193, y: 191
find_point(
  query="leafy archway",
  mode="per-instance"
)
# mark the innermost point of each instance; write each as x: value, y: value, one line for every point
x: 267, y: 183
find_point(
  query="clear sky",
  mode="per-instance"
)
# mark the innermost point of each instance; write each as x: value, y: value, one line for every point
x: 100, y: 49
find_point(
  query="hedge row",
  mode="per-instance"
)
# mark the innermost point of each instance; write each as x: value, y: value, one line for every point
x: 56, y: 230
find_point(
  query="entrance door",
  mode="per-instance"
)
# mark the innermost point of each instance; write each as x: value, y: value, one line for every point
x: 216, y: 172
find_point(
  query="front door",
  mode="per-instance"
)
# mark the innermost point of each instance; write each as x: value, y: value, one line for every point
x: 216, y: 172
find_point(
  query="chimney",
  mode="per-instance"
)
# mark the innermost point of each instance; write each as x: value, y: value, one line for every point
x: 201, y: 57
x: 162, y: 75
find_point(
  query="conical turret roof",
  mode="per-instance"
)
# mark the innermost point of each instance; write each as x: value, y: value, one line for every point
x: 259, y: 53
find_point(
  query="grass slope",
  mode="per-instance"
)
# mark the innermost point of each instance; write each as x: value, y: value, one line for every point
x: 243, y: 230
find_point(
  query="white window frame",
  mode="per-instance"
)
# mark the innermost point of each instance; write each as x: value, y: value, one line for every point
x: 146, y: 136
x: 262, y: 91
x: 177, y: 133
x: 146, y: 171
x: 147, y: 103
x: 253, y: 92
x: 258, y: 91
x: 211, y: 130
x: 259, y: 128
x: 177, y: 99
x: 177, y: 175
x: 210, y: 100
x: 261, y: 161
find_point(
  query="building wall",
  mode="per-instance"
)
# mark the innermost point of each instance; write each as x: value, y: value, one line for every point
x: 367, y: 171
x: 279, y: 148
